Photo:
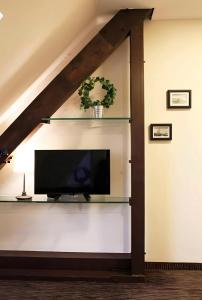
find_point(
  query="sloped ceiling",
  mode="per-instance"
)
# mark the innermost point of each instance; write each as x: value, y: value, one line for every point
x: 164, y: 9
x: 33, y: 34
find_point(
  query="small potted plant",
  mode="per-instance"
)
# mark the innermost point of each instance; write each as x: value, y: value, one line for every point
x: 86, y: 101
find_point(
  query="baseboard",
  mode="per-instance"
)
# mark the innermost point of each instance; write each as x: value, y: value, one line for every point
x: 173, y: 266
x: 64, y: 260
x: 35, y: 265
x: 78, y: 266
x: 69, y: 275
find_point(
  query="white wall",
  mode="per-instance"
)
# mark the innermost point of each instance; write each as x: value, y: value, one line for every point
x: 94, y: 227
x: 174, y: 169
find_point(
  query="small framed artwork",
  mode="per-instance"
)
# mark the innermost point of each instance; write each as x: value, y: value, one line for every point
x: 179, y: 99
x: 160, y: 132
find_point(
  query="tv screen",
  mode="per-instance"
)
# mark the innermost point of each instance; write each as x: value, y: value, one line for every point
x: 72, y: 172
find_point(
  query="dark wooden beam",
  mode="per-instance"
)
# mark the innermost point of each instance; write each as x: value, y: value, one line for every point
x: 137, y: 149
x: 63, y: 265
x: 64, y: 260
x: 66, y: 83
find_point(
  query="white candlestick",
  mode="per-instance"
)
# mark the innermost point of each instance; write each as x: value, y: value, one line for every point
x: 23, y: 183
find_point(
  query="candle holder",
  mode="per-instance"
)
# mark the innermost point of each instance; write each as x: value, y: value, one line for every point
x: 24, y: 195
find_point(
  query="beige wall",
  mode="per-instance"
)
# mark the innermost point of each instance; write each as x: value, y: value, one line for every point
x: 174, y: 169
x: 33, y: 34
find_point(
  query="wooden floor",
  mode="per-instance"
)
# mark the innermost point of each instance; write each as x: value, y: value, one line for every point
x: 160, y: 285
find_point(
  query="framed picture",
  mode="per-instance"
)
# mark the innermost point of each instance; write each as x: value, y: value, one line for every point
x: 160, y: 132
x: 179, y: 99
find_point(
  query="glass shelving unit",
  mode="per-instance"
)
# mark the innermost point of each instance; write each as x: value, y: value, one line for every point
x: 68, y: 200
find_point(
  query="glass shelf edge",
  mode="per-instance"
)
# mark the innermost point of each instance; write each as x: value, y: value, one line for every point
x: 65, y: 202
x: 113, y: 200
x: 84, y: 119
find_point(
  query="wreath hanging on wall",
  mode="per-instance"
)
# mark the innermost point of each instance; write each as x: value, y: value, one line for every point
x: 88, y: 85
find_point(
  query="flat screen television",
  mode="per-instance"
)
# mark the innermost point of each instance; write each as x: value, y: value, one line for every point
x: 59, y: 172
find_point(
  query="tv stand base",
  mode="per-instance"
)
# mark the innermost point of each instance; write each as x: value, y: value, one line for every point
x: 54, y: 196
x: 67, y: 197
x: 87, y: 197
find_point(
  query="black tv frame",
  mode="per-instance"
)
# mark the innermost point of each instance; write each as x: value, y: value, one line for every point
x: 54, y: 154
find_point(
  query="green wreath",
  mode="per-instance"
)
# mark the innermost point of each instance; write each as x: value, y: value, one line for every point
x: 88, y: 85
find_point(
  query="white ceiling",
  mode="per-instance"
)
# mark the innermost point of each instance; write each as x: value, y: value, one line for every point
x: 163, y: 9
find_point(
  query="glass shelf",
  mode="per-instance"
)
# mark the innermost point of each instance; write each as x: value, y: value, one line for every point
x: 47, y: 120
x: 65, y: 199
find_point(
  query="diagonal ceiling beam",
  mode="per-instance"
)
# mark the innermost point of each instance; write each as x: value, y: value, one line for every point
x: 70, y: 78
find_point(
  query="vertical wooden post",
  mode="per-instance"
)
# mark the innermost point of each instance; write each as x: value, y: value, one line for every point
x: 137, y: 149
